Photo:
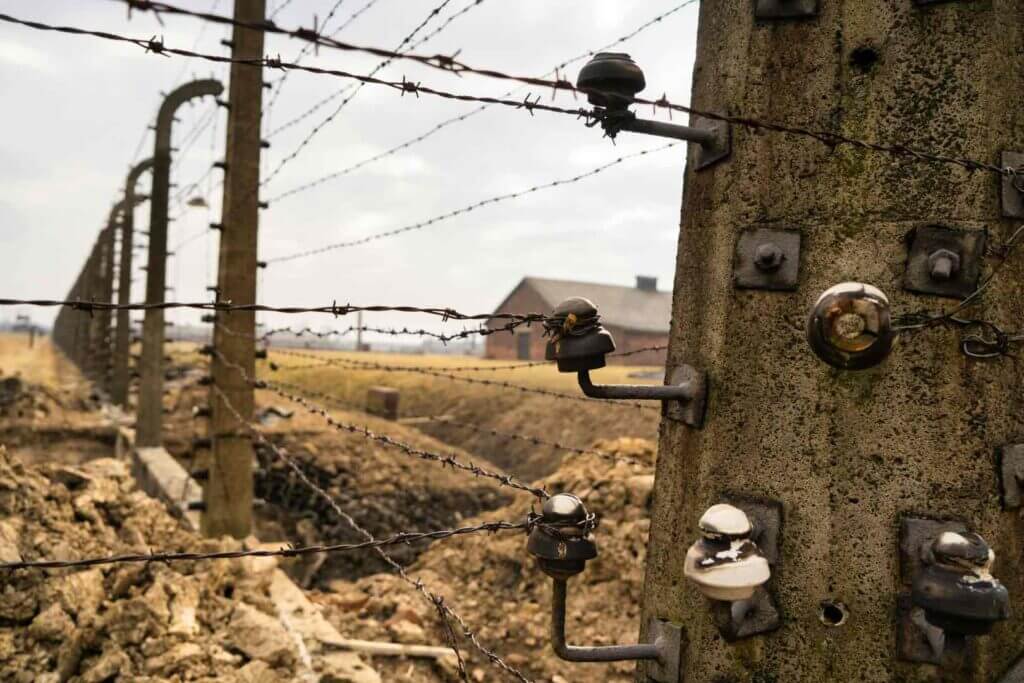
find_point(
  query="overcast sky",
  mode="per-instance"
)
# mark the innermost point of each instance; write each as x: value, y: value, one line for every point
x: 75, y: 109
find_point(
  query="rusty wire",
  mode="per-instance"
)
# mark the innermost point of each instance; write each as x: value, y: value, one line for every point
x: 334, y: 309
x: 449, y: 63
x: 444, y: 460
x: 330, y: 98
x: 471, y: 207
x: 367, y: 365
x: 308, y: 47
x: 473, y: 112
x: 390, y: 331
x: 400, y: 538
x: 990, y: 340
x: 829, y: 138
x: 435, y: 599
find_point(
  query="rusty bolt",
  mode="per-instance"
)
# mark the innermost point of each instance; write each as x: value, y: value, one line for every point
x: 943, y: 264
x: 768, y: 257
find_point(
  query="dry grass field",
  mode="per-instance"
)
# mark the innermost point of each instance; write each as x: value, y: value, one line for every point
x: 569, y: 420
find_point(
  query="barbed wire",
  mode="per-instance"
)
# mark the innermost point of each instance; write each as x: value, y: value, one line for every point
x: 391, y: 56
x: 462, y: 117
x: 369, y: 365
x: 469, y: 208
x: 399, y: 538
x: 449, y: 460
x: 330, y: 98
x: 435, y: 599
x: 390, y: 331
x: 829, y: 138
x: 976, y: 346
x: 335, y: 309
x: 306, y: 49
x: 279, y: 8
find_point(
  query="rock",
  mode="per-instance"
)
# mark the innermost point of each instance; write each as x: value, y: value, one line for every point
x: 407, y: 632
x: 81, y: 592
x: 257, y: 672
x: 260, y: 636
x: 108, y: 665
x: 53, y: 623
x: 346, y: 596
x: 176, y: 659
x: 344, y: 667
x: 9, y: 543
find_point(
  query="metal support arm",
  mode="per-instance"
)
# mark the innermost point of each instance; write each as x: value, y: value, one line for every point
x: 713, y: 137
x: 686, y: 393
x: 608, y: 653
x: 704, y: 138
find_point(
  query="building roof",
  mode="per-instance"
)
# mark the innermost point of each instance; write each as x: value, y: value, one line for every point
x: 630, y: 308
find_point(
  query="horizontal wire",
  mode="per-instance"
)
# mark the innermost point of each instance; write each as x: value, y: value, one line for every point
x: 361, y: 430
x: 444, y: 611
x: 469, y: 208
x: 462, y: 117
x: 320, y: 126
x: 366, y: 365
x: 400, y: 538
x: 447, y: 63
x: 336, y: 310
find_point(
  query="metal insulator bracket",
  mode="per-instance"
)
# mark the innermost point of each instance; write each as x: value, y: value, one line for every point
x: 785, y: 9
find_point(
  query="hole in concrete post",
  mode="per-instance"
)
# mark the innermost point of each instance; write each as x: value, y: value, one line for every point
x: 833, y: 613
x: 864, y: 58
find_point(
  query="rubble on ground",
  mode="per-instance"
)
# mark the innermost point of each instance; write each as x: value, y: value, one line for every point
x: 184, y: 621
x: 492, y: 582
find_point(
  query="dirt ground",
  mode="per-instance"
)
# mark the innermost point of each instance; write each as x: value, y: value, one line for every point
x: 488, y: 579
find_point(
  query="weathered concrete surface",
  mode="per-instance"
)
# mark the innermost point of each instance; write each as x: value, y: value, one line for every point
x: 847, y: 453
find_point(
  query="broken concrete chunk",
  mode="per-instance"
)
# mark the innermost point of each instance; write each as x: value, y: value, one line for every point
x: 260, y: 636
x: 9, y: 543
x: 53, y: 623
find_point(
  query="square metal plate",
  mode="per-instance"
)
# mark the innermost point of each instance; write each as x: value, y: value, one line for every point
x: 690, y: 413
x: 1012, y: 198
x: 670, y: 671
x: 720, y: 150
x: 912, y: 644
x: 1011, y: 474
x: 1015, y: 674
x: 785, y: 9
x: 747, y: 275
x: 969, y: 245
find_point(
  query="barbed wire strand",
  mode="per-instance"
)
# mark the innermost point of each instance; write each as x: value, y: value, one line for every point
x: 449, y: 460
x: 462, y: 117
x: 444, y: 610
x: 829, y: 138
x: 469, y: 208
x: 368, y: 365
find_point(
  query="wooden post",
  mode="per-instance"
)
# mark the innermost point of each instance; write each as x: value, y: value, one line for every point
x: 149, y: 423
x: 228, y: 495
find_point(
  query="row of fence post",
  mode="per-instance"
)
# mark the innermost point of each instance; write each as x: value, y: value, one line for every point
x: 99, y: 342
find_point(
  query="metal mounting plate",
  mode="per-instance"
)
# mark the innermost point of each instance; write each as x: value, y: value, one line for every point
x: 1011, y: 474
x: 690, y: 412
x: 669, y: 672
x: 747, y: 275
x: 785, y: 9
x: 1015, y: 674
x: 760, y: 614
x: 712, y: 154
x: 969, y: 245
x: 1012, y: 198
x: 912, y: 644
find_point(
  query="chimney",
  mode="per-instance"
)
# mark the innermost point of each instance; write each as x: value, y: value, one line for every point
x: 646, y: 284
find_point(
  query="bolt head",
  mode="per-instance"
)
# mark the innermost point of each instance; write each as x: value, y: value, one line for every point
x: 768, y: 256
x: 943, y: 264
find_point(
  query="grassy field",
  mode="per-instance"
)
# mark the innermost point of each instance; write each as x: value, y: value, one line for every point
x: 568, y: 420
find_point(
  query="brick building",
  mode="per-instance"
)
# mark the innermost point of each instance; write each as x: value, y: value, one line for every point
x: 637, y: 317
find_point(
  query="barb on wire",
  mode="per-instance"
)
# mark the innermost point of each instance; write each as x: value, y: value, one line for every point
x: 472, y: 207
x: 391, y: 55
x: 473, y: 112
x: 451, y: 64
x: 367, y: 365
x: 336, y: 310
x: 445, y: 460
x: 443, y: 609
x: 308, y: 47
x: 400, y: 538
